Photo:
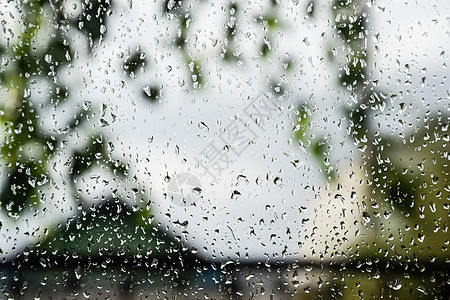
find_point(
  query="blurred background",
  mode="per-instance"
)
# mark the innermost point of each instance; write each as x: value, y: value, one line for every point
x: 224, y: 149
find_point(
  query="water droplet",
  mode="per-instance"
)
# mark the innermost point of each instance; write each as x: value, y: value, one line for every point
x: 102, y: 29
x: 366, y: 217
x: 48, y: 58
x: 27, y: 93
x: 396, y: 284
x: 86, y: 105
x: 167, y: 178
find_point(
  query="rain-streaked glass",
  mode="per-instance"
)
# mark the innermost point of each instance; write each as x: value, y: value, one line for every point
x: 224, y: 149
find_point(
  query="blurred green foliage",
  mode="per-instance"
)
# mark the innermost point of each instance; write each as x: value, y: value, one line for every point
x: 27, y: 147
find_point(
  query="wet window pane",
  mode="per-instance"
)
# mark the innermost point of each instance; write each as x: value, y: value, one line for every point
x: 224, y: 149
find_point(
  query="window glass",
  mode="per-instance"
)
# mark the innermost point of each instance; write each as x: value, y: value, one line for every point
x: 224, y: 149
